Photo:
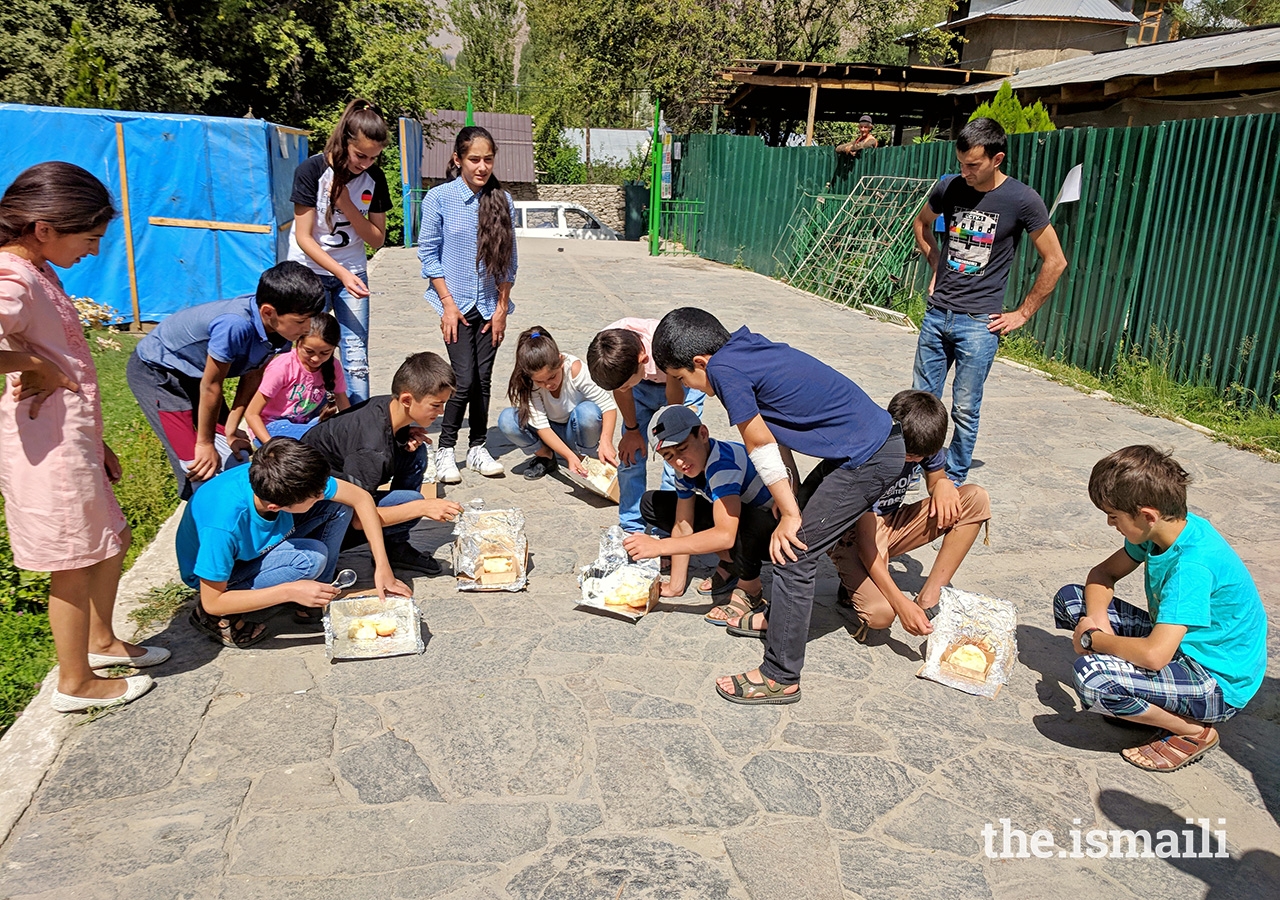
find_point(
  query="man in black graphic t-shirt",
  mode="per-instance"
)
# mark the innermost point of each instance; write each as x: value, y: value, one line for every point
x: 986, y: 213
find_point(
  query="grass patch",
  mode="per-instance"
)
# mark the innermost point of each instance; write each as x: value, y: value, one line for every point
x: 159, y: 605
x: 147, y: 493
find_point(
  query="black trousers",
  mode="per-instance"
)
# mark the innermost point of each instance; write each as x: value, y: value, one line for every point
x: 472, y: 356
x: 836, y: 498
x: 755, y: 526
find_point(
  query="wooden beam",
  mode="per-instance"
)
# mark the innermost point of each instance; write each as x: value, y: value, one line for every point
x: 128, y: 226
x: 210, y: 225
x: 813, y: 107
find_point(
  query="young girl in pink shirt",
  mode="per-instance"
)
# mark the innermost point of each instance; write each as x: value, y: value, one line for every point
x: 55, y: 470
x: 302, y: 387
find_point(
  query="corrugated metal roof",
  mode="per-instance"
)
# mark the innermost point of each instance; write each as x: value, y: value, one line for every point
x: 1075, y: 10
x: 1214, y: 51
x: 513, y: 134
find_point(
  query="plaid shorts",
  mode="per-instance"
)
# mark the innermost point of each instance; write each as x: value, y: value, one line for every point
x: 1120, y: 688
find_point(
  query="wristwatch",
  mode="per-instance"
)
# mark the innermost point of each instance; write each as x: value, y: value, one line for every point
x: 1086, y: 639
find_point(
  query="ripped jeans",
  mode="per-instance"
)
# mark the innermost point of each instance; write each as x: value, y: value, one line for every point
x: 352, y: 314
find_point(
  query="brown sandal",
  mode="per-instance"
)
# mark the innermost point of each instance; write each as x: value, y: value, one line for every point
x: 750, y: 693
x: 1169, y: 752
x: 740, y: 604
x: 229, y: 632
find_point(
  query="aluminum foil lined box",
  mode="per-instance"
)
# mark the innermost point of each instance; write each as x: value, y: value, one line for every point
x: 490, y: 551
x: 616, y: 584
x: 974, y: 646
x: 349, y: 621
x: 601, y: 479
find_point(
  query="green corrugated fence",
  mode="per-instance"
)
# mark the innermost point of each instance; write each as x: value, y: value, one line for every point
x: 1175, y: 236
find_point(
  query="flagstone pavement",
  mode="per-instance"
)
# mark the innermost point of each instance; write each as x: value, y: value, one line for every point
x: 537, y: 750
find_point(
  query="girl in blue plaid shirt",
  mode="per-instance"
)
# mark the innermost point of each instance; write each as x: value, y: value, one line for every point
x: 467, y: 246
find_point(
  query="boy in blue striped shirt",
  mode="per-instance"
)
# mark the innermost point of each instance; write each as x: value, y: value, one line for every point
x: 719, y: 505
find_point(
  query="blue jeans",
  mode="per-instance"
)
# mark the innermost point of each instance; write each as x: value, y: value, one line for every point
x: 405, y: 487
x: 961, y: 339
x: 309, y: 553
x: 352, y: 314
x: 581, y: 433
x: 649, y: 397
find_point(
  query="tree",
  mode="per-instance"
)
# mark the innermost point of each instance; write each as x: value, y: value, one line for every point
x: 1211, y: 16
x: 1013, y: 117
x: 489, y: 29
x: 96, y: 85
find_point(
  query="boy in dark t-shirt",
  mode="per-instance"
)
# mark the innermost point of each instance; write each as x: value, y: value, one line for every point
x: 986, y: 213
x: 891, y: 528
x: 777, y: 395
x: 384, y: 439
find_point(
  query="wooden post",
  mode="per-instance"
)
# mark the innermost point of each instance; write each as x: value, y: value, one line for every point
x: 813, y: 108
x: 128, y: 227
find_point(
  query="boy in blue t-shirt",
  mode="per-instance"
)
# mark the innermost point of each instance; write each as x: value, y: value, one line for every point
x: 719, y: 505
x: 779, y: 397
x: 892, y: 528
x: 1198, y: 654
x: 269, y: 533
x: 177, y: 370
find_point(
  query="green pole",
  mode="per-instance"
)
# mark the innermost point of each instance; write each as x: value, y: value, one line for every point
x: 655, y: 182
x: 471, y: 115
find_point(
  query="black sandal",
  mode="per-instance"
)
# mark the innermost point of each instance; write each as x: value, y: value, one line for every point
x: 308, y: 615
x: 237, y: 634
x: 721, y: 584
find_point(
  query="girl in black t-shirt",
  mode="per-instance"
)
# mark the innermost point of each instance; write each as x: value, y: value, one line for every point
x: 340, y: 202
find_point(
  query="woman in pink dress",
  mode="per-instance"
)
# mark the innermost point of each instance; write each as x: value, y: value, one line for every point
x: 55, y: 470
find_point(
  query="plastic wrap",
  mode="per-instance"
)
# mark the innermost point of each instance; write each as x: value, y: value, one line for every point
x: 970, y: 630
x: 616, y: 584
x: 344, y: 619
x: 490, y: 551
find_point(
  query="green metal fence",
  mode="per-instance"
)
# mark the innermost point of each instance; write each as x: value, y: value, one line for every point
x: 1175, y: 234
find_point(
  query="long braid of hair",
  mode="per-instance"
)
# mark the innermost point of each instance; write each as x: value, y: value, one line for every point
x: 360, y: 119
x: 535, y: 350
x: 495, y: 239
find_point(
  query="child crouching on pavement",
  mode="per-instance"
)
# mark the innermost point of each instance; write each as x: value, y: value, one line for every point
x: 267, y: 534
x: 890, y: 529
x: 1199, y: 651
x: 719, y: 505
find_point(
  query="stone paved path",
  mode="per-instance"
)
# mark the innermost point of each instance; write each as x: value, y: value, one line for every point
x: 539, y: 751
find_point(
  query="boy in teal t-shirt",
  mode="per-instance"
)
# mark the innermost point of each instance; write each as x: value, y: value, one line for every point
x: 1198, y: 654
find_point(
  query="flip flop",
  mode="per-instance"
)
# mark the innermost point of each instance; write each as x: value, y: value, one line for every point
x: 1169, y: 752
x: 739, y: 631
x: 740, y: 604
x: 750, y: 693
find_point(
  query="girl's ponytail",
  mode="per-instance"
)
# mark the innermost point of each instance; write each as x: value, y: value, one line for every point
x: 535, y: 350
x: 325, y: 327
x: 65, y: 196
x: 360, y: 119
x: 495, y: 239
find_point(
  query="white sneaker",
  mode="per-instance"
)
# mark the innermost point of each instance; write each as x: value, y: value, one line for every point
x: 479, y: 460
x: 447, y: 466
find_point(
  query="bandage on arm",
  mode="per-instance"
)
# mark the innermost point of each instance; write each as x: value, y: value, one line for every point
x: 757, y: 437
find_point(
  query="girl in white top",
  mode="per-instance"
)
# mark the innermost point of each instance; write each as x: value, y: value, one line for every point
x: 557, y: 408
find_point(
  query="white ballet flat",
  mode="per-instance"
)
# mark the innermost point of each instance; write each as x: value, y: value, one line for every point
x: 135, y: 687
x: 153, y: 657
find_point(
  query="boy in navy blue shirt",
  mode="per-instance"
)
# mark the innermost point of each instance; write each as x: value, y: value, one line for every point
x: 776, y: 395
x: 176, y: 372
x: 269, y: 533
x: 719, y: 505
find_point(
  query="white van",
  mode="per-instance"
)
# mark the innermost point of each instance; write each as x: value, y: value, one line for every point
x: 548, y: 219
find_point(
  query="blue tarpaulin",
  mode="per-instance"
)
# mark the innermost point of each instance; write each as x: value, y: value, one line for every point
x: 206, y: 199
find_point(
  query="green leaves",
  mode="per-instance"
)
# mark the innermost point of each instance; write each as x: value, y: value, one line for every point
x: 1005, y: 108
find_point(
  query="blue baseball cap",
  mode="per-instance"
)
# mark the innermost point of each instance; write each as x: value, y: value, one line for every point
x: 671, y: 425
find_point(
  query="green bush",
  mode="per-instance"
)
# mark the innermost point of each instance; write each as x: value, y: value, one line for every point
x: 1015, y: 118
x: 148, y: 494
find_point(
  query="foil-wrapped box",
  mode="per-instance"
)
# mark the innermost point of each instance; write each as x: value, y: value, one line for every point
x: 616, y: 584
x: 973, y: 646
x: 601, y: 479
x: 364, y: 627
x: 490, y: 551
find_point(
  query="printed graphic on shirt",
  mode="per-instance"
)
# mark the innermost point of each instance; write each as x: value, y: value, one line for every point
x: 303, y: 400
x: 972, y: 235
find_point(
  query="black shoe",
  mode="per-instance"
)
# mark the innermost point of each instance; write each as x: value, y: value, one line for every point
x: 403, y: 555
x: 540, y: 466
